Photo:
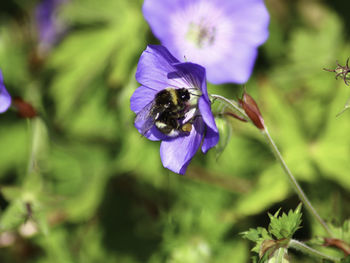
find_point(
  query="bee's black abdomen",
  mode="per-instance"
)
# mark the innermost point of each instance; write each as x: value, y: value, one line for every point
x: 166, y: 123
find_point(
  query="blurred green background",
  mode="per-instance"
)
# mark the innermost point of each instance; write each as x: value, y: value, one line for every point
x: 79, y: 184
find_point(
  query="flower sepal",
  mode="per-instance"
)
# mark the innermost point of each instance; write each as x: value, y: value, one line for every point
x: 225, y: 132
x: 25, y: 109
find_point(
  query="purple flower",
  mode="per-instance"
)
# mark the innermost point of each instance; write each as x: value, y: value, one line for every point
x: 221, y: 35
x: 5, y: 98
x: 50, y: 29
x: 182, y: 126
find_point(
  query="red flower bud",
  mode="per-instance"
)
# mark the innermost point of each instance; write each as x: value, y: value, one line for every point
x: 25, y: 110
x: 252, y: 110
x: 340, y: 244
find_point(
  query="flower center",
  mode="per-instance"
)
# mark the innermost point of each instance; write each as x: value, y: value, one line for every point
x: 201, y: 34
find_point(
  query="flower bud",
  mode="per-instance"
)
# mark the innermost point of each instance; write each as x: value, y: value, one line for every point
x: 25, y: 109
x: 338, y: 243
x: 225, y: 132
x: 252, y: 110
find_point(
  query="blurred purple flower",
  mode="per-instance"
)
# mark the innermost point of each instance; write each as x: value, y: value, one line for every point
x: 5, y: 98
x: 158, y: 70
x: 221, y: 35
x: 49, y: 27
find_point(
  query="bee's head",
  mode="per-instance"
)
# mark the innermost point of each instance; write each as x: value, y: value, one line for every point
x: 184, y: 94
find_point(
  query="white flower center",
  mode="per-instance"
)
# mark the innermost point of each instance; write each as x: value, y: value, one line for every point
x: 201, y: 34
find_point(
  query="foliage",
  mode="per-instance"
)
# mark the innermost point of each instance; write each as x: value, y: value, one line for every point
x: 79, y: 184
x: 280, y: 230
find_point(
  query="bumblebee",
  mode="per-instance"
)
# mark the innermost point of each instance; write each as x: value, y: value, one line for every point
x: 166, y: 111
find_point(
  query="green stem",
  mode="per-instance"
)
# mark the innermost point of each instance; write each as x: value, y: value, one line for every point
x: 294, y: 182
x: 346, y: 106
x: 308, y: 250
x: 231, y: 104
x: 35, y: 138
x: 31, y: 132
x: 280, y: 159
x: 280, y: 255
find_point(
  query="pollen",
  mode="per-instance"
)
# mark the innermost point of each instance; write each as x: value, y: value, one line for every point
x: 187, y: 127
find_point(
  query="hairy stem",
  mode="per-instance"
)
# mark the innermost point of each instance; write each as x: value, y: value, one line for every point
x: 280, y: 255
x: 232, y: 104
x: 294, y: 182
x: 279, y: 157
x: 310, y: 251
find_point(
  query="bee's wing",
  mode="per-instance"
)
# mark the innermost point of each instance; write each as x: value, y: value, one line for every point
x: 146, y: 117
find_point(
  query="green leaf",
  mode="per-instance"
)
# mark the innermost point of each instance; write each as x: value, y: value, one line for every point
x: 330, y: 152
x: 78, y: 171
x: 342, y: 232
x: 259, y: 236
x: 113, y: 46
x: 280, y: 231
x: 13, y: 216
x: 14, y: 139
x: 286, y: 225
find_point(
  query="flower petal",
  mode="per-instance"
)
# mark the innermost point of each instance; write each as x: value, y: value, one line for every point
x: 251, y: 24
x: 49, y: 26
x: 238, y: 68
x: 211, y: 139
x: 154, y: 12
x: 192, y: 74
x: 153, y: 134
x: 238, y: 27
x: 153, y: 68
x: 212, y: 133
x: 46, y: 21
x: 141, y: 97
x: 177, y: 153
x: 207, y: 115
x: 5, y: 98
x: 139, y: 101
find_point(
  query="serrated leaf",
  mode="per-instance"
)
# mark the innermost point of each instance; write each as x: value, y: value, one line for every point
x: 281, y: 227
x: 259, y: 236
x: 286, y: 225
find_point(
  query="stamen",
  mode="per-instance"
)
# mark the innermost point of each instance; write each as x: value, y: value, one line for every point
x: 201, y: 34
